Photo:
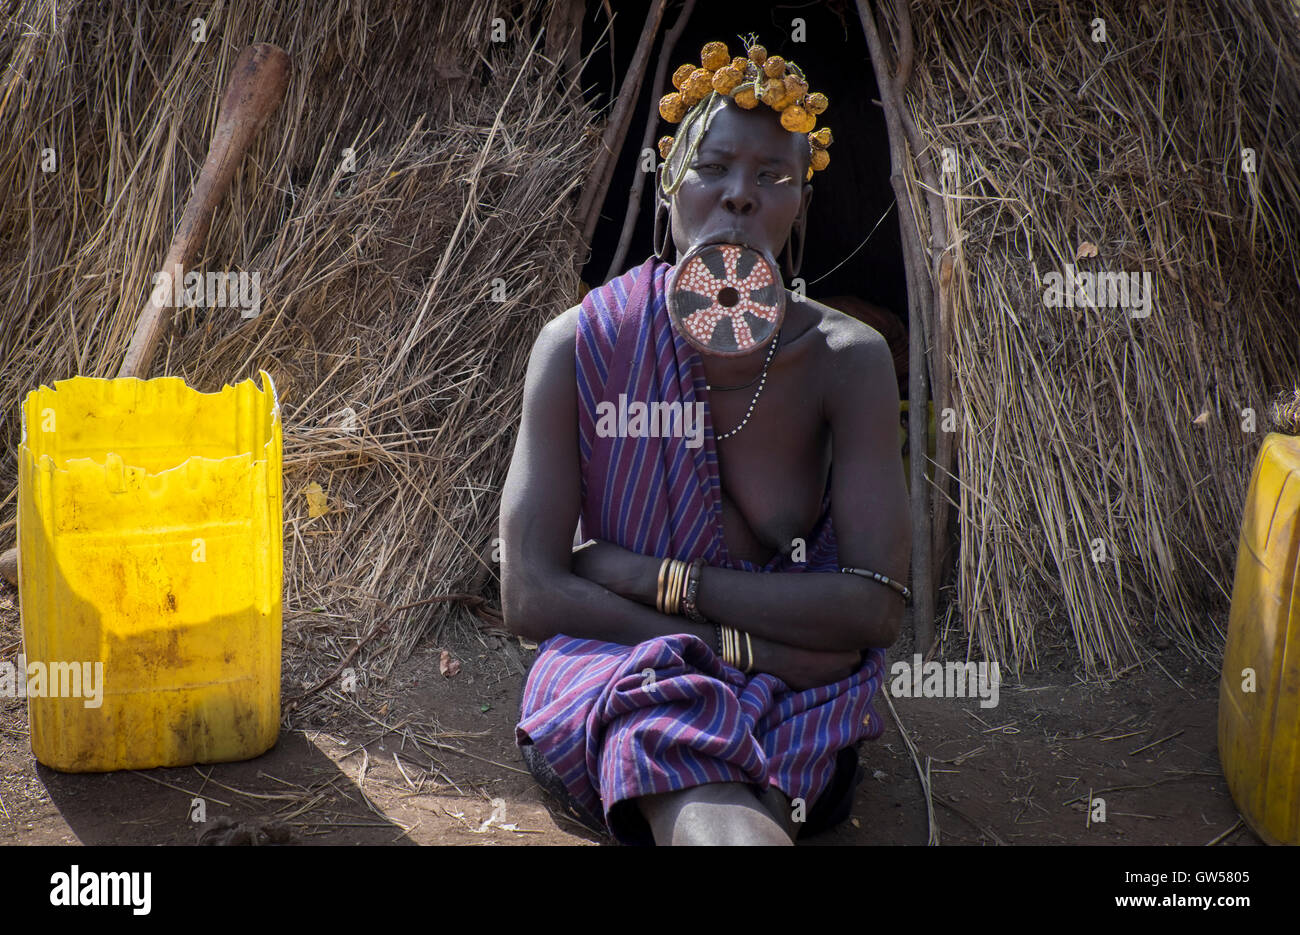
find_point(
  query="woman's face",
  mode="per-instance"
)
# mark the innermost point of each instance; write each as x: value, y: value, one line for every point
x: 744, y: 184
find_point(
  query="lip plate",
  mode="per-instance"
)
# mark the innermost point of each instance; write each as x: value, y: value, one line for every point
x: 674, y: 314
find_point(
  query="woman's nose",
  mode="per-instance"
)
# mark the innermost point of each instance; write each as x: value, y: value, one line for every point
x: 740, y: 200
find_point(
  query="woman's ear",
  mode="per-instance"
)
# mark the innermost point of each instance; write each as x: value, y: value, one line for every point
x: 659, y: 183
x: 802, y: 218
x: 659, y: 239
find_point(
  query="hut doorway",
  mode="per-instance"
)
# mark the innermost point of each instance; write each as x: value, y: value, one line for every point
x: 853, y: 258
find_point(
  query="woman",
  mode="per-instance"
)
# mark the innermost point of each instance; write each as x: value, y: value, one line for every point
x: 720, y: 701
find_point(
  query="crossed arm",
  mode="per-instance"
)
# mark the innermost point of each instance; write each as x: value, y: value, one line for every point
x: 806, y: 629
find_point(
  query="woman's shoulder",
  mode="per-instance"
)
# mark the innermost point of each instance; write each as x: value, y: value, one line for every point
x: 848, y: 360
x: 829, y: 331
x: 559, y: 330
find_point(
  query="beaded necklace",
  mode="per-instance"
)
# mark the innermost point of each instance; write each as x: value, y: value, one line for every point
x: 762, y: 379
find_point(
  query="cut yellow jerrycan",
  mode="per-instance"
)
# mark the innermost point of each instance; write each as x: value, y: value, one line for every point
x: 150, y: 572
x: 1259, y: 692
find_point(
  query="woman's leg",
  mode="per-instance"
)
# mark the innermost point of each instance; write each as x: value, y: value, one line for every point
x: 719, y: 813
x: 727, y: 809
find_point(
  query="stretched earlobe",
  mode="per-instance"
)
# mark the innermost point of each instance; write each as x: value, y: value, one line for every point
x: 663, y: 232
x: 663, y: 218
x: 792, y: 253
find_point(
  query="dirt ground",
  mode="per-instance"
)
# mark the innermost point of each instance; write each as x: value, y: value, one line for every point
x: 431, y: 760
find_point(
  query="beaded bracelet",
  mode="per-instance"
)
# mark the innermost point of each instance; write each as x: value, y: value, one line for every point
x: 883, y: 579
x: 689, y: 607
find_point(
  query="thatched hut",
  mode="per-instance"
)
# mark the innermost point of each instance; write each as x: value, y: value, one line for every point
x: 443, y: 178
x: 1102, y: 449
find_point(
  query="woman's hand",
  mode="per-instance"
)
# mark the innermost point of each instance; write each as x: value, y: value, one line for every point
x: 804, y: 668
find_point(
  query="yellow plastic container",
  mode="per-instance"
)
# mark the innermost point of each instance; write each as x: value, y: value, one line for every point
x: 149, y: 534
x: 1259, y: 729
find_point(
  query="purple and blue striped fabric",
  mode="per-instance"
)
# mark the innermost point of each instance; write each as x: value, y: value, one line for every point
x: 608, y: 731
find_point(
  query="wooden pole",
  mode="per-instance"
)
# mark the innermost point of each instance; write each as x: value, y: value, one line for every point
x: 256, y: 88
x: 564, y: 36
x: 597, y: 184
x: 938, y: 323
x: 647, y: 139
x: 919, y: 302
x: 938, y: 326
x: 945, y: 442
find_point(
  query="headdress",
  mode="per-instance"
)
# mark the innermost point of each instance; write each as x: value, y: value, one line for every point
x: 749, y: 79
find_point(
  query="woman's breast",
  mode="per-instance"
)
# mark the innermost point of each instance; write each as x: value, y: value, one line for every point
x: 774, y: 469
x: 773, y: 486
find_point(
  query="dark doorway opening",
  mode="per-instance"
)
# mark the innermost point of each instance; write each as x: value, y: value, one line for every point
x: 853, y: 259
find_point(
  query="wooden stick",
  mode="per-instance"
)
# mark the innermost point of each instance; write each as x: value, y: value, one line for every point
x: 937, y: 322
x: 927, y: 788
x: 593, y: 192
x: 256, y: 88
x: 943, y: 395
x: 1220, y: 837
x: 564, y: 35
x: 1156, y: 743
x: 919, y: 299
x: 647, y: 139
x: 937, y: 314
x: 338, y: 670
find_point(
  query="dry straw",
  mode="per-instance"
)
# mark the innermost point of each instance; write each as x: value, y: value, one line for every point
x: 1285, y: 413
x: 399, y: 300
x: 1086, y: 428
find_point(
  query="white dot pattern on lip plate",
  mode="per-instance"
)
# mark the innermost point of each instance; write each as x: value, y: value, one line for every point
x: 703, y: 324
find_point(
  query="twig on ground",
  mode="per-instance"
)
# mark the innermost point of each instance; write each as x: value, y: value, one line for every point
x: 179, y: 789
x: 1225, y: 835
x: 1183, y: 774
x: 922, y: 774
x: 1154, y: 743
x: 987, y: 832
